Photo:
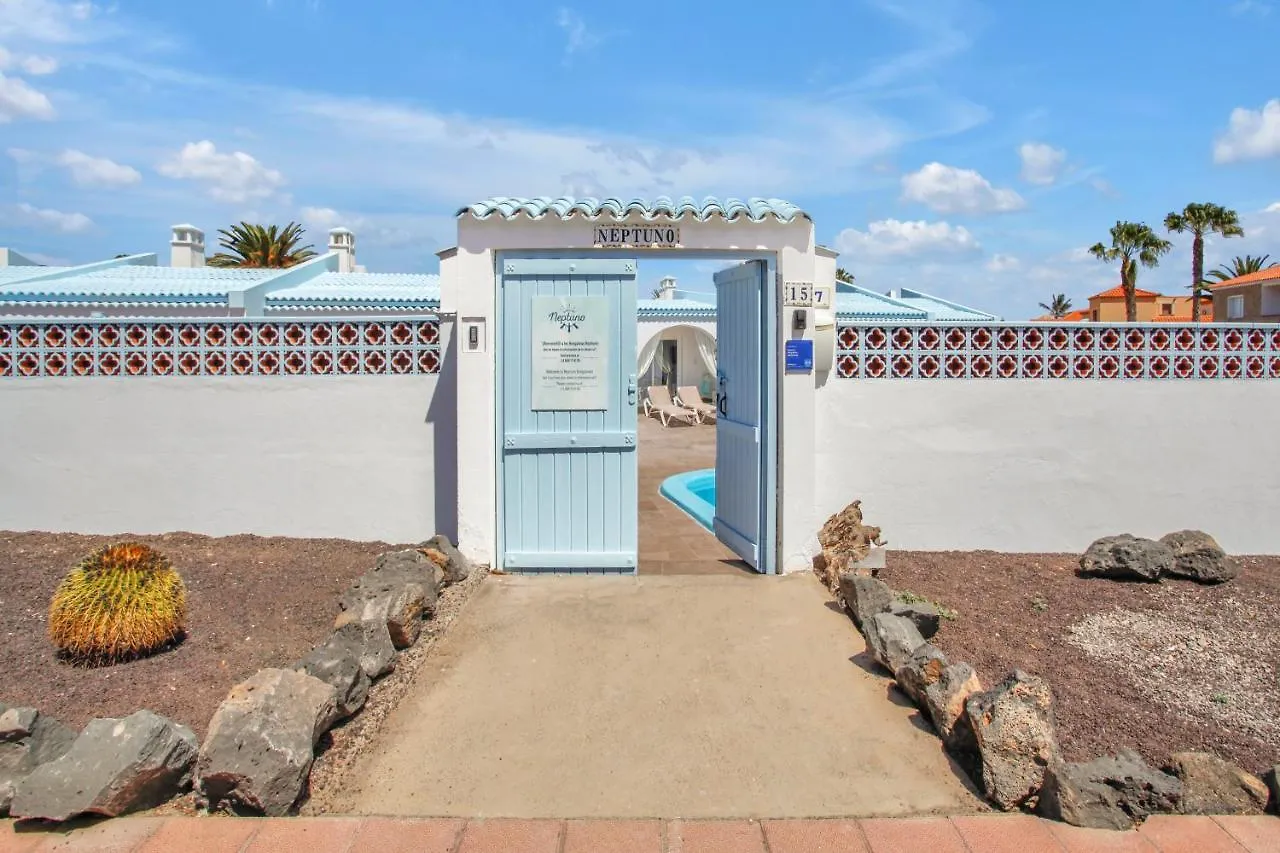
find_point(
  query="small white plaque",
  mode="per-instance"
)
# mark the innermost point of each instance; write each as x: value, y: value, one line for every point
x: 797, y: 294
x: 570, y: 339
x: 822, y: 296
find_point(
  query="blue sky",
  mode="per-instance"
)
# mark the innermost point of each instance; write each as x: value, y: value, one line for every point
x: 972, y: 149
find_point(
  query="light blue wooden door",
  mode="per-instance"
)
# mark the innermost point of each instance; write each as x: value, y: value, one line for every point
x: 568, y: 399
x: 739, y: 307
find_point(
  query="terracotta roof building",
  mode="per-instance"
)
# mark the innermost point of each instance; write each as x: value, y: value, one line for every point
x: 1108, y: 307
x: 1252, y: 298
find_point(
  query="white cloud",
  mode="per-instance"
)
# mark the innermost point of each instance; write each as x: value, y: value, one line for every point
x: 1002, y: 263
x: 1076, y: 255
x: 1251, y: 7
x: 578, y: 37
x: 1041, y: 163
x: 735, y: 142
x: 38, y: 65
x: 85, y: 170
x: 56, y: 219
x: 1272, y: 208
x: 402, y: 148
x: 48, y: 21
x: 939, y: 32
x: 892, y: 238
x: 1075, y: 268
x: 1104, y: 186
x: 947, y: 189
x: 1250, y: 134
x: 236, y: 177
x: 49, y: 260
x: 324, y: 217
x: 29, y: 63
x: 383, y: 230
x: 18, y: 100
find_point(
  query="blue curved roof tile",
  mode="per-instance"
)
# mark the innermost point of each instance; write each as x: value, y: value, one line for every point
x: 755, y: 209
x: 361, y: 288
x: 858, y: 303
x: 135, y: 284
x: 940, y: 309
x: 673, y: 308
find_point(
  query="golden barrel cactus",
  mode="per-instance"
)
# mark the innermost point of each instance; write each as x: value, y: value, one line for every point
x: 121, y: 602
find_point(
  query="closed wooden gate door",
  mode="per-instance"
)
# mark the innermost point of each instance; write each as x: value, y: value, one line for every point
x: 739, y: 314
x: 568, y: 477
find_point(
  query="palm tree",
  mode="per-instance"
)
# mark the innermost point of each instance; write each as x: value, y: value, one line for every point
x: 844, y: 276
x: 1242, y: 266
x: 260, y: 246
x: 1132, y: 243
x: 1201, y: 219
x: 1058, y: 307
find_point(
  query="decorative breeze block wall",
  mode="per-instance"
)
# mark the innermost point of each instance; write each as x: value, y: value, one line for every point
x: 1043, y: 351
x: 218, y: 347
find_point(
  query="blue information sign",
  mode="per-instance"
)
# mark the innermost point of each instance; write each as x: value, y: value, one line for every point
x: 799, y: 356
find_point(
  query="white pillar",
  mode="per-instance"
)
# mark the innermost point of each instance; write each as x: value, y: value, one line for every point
x: 186, y: 248
x: 468, y: 290
x: 797, y: 439
x: 342, y: 241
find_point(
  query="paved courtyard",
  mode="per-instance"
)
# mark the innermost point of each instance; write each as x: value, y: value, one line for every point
x: 653, y: 696
x: 672, y: 543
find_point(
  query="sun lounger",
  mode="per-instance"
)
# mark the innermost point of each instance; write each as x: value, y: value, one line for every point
x: 658, y: 401
x: 690, y: 398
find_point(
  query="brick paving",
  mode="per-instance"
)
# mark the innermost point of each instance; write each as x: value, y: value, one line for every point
x: 961, y: 834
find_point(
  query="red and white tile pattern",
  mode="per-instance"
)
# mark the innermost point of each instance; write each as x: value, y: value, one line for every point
x: 1010, y: 351
x: 219, y: 347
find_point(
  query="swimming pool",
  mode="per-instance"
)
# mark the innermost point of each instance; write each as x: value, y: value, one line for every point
x: 695, y: 493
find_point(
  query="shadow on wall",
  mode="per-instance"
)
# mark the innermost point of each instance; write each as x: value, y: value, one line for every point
x: 442, y: 414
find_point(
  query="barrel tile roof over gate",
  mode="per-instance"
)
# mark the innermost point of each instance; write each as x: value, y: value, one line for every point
x: 754, y: 209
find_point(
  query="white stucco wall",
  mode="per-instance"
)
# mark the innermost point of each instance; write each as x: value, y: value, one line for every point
x: 468, y: 290
x: 363, y: 458
x: 1050, y: 465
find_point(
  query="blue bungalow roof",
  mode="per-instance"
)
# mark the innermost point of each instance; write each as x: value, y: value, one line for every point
x: 855, y: 303
x: 689, y: 308
x: 360, y: 289
x: 136, y: 281
x: 940, y: 309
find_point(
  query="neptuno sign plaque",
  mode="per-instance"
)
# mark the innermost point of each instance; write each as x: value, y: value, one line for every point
x: 635, y: 236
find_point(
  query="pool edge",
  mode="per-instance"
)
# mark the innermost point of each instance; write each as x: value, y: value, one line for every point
x: 673, y: 488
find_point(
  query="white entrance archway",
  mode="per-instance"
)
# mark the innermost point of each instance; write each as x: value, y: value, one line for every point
x: 773, y: 231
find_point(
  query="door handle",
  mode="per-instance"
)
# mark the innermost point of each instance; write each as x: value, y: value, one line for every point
x: 631, y: 390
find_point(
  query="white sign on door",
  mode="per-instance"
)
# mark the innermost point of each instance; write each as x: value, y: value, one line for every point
x: 570, y: 337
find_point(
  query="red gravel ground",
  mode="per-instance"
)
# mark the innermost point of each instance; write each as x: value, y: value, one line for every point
x: 1016, y: 611
x: 252, y: 602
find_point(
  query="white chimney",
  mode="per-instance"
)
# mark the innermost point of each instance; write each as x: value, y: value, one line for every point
x: 343, y: 242
x: 667, y: 287
x: 186, y: 247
